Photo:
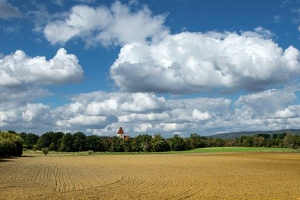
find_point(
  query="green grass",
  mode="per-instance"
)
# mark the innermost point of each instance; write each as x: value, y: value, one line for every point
x: 235, y: 149
x: 199, y: 150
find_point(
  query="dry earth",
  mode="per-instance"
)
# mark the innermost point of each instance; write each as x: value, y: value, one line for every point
x: 175, y: 176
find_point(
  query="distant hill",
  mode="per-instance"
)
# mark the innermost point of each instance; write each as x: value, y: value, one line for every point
x: 234, y: 135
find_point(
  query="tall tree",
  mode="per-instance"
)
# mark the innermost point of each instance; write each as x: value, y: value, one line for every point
x: 177, y: 143
x: 56, y: 138
x: 79, y: 141
x: 45, y: 140
x: 196, y: 141
x: 143, y: 143
x: 159, y: 144
x: 94, y: 143
x: 67, y: 143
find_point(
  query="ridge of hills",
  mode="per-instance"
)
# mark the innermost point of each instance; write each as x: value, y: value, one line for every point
x: 234, y: 135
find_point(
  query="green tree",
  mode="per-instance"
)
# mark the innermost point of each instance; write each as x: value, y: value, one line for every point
x: 115, y: 144
x: 177, y: 143
x: 143, y: 143
x: 67, y: 143
x: 79, y: 142
x: 290, y: 141
x: 134, y: 146
x: 126, y: 145
x: 29, y: 139
x: 196, y: 141
x: 258, y: 141
x: 45, y: 140
x: 215, y: 142
x: 246, y: 141
x: 266, y: 136
x: 297, y: 141
x: 56, y: 138
x: 159, y: 144
x: 94, y: 143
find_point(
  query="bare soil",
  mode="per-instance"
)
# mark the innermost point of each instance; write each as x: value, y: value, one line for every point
x: 174, y: 176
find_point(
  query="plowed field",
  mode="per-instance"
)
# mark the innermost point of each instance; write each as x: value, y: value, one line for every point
x: 175, y: 176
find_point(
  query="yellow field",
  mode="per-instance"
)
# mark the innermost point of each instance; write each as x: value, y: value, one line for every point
x: 175, y: 176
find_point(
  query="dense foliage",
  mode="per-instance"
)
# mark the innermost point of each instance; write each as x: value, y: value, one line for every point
x: 11, y: 143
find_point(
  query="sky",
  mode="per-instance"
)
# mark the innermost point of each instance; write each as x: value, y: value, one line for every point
x: 149, y: 66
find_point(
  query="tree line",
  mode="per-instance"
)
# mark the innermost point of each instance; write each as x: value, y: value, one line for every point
x: 59, y: 141
x: 11, y: 143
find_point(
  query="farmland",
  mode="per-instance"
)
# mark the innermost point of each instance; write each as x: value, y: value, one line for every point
x: 246, y: 175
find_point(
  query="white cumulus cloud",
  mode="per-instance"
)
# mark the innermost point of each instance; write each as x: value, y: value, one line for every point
x: 266, y: 103
x: 26, y: 117
x: 115, y: 25
x: 193, y: 62
x: 198, y: 115
x: 142, y: 128
x: 18, y: 69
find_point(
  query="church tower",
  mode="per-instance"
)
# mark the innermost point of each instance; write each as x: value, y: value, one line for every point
x: 121, y: 133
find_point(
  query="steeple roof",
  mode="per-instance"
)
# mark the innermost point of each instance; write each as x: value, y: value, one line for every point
x: 120, y: 131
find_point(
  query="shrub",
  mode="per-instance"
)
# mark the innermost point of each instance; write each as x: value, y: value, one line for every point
x: 34, y: 148
x: 45, y: 151
x: 11, y: 144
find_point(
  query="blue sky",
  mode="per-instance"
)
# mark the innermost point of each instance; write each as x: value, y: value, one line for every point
x: 168, y: 67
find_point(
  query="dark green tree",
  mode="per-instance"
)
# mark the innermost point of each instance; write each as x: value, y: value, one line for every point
x: 258, y: 141
x: 31, y: 139
x: 115, y: 144
x: 291, y: 141
x: 45, y: 140
x: 143, y: 143
x: 79, y: 142
x: 67, y: 143
x: 56, y: 138
x: 95, y: 143
x: 126, y: 145
x: 177, y: 143
x: 196, y: 141
x: 159, y: 144
x: 246, y: 141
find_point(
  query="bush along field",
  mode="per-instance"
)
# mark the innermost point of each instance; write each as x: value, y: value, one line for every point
x: 11, y: 144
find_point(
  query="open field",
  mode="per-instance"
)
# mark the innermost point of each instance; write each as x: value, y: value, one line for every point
x: 155, y: 176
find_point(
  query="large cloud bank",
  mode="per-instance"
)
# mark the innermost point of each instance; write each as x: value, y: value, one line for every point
x: 139, y: 113
x: 194, y: 62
